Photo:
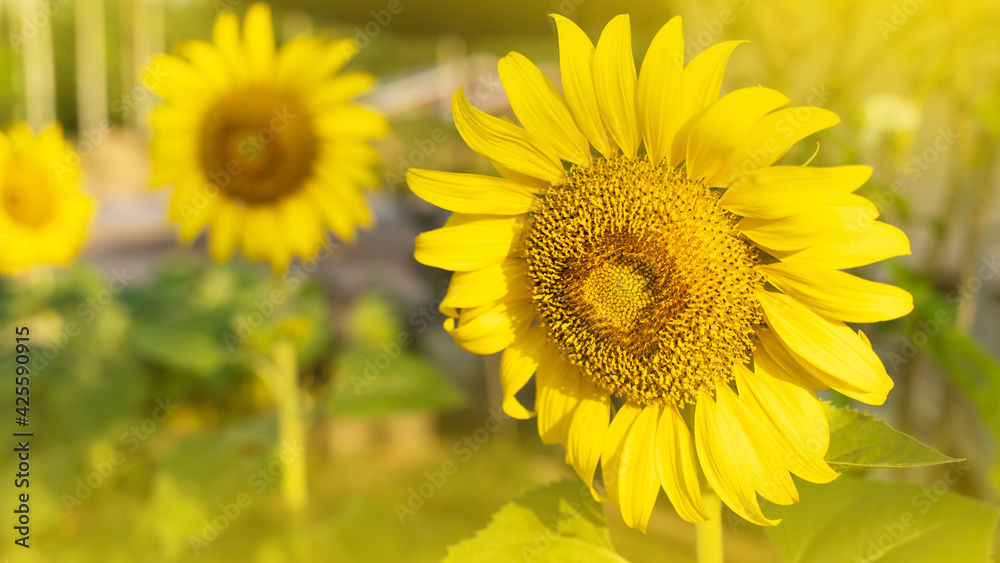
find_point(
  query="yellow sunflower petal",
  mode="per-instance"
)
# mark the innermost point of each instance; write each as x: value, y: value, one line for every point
x: 301, y: 224
x: 638, y: 482
x: 781, y: 191
x: 195, y: 210
x: 478, y: 287
x: 659, y: 91
x: 714, y: 136
x: 587, y: 431
x: 776, y: 359
x: 795, y: 417
x: 700, y: 83
x: 770, y: 138
x: 251, y: 234
x: 468, y: 246
x: 728, y: 459
x: 835, y: 224
x: 174, y: 78
x: 352, y: 122
x: 517, y: 364
x: 470, y: 193
x: 612, y: 460
x: 226, y: 37
x: 532, y: 184
x: 876, y: 242
x: 771, y: 478
x: 263, y: 239
x: 677, y: 466
x: 179, y: 123
x: 542, y: 109
x: 576, y: 58
x: 557, y: 388
x: 226, y: 230
x: 838, y: 295
x: 614, y: 83
x: 305, y: 62
x: 296, y: 58
x: 342, y: 89
x: 490, y: 328
x: 208, y: 62
x: 504, y: 142
x: 258, y: 40
x: 331, y: 212
x: 839, y: 354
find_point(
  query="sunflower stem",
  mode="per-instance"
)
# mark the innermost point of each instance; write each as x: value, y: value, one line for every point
x: 709, y: 533
x: 291, y: 429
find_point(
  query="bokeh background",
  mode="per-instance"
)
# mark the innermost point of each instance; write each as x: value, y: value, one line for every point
x: 151, y: 415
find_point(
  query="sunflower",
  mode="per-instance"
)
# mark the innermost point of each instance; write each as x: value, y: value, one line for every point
x: 263, y: 146
x: 43, y: 217
x: 676, y: 306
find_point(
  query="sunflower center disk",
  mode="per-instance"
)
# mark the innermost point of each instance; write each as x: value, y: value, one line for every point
x: 27, y: 198
x: 258, y: 145
x: 617, y: 293
x: 642, y: 280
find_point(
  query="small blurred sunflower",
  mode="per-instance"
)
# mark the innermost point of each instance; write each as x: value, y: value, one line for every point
x: 263, y: 146
x: 43, y: 216
x: 690, y: 285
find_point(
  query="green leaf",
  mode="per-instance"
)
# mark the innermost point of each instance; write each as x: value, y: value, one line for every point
x: 374, y: 382
x: 858, y: 441
x: 851, y: 521
x: 181, y: 343
x: 556, y: 523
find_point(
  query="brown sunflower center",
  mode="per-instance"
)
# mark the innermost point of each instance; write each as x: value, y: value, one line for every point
x: 642, y: 280
x: 27, y: 197
x: 258, y: 144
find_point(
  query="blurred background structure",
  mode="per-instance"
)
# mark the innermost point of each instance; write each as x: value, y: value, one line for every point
x: 156, y: 438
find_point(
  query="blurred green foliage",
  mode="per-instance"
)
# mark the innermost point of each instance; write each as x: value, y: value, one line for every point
x: 150, y: 422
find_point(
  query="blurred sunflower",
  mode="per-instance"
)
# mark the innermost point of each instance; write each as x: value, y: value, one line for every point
x: 263, y: 146
x: 43, y: 218
x: 688, y: 284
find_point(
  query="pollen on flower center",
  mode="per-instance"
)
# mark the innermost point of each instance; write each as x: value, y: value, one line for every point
x: 258, y: 144
x: 26, y: 197
x: 617, y: 292
x: 642, y: 280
